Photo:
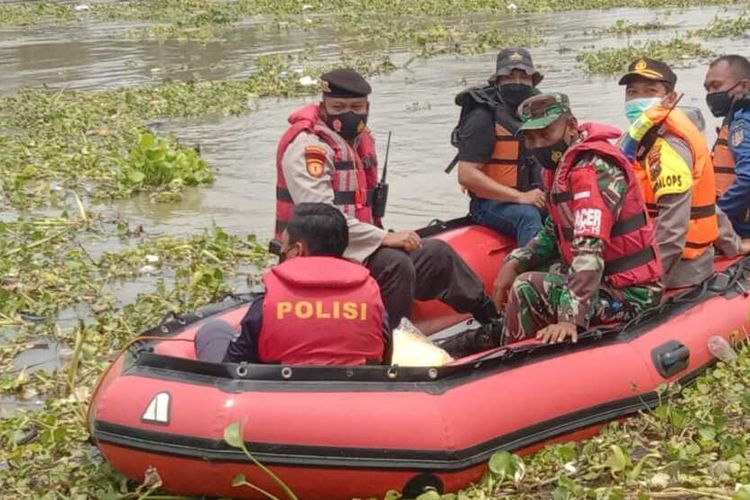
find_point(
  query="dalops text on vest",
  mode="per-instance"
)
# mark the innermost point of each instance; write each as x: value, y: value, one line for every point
x: 303, y: 309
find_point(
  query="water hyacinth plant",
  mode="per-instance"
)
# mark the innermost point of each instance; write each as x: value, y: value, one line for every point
x: 155, y: 162
x: 609, y: 61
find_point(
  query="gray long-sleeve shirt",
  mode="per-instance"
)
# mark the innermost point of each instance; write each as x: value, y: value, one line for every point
x: 364, y: 239
x: 673, y: 220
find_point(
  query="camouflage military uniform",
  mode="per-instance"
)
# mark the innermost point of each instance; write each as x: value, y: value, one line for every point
x: 576, y: 295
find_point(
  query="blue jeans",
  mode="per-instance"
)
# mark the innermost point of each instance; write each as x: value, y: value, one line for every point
x: 518, y: 221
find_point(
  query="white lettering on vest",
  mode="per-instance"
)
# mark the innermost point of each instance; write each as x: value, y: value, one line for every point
x: 588, y: 221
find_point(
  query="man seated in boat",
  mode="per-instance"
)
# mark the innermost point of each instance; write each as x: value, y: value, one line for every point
x: 502, y: 178
x: 727, y: 84
x: 318, y: 308
x: 598, y: 228
x: 674, y: 170
x: 327, y: 155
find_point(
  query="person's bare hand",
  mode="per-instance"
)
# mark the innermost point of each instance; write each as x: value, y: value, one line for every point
x: 558, y: 333
x: 503, y: 282
x: 406, y: 240
x: 534, y: 197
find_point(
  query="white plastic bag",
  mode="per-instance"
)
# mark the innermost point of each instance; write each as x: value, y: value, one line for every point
x: 412, y: 348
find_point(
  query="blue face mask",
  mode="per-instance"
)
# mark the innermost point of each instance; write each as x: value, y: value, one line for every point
x: 635, y: 107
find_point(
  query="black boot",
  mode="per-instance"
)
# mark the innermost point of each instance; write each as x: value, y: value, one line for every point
x: 486, y: 312
x: 488, y: 336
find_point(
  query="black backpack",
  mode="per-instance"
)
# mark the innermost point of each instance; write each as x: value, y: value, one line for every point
x: 470, y: 99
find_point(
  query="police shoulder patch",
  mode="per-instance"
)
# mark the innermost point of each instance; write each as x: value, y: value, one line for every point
x: 737, y: 136
x: 315, y: 160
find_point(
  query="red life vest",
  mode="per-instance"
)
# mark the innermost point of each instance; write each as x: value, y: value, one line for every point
x: 321, y: 311
x: 630, y: 254
x: 355, y: 169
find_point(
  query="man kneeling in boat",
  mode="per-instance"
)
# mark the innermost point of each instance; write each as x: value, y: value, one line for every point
x: 319, y: 309
x: 598, y: 228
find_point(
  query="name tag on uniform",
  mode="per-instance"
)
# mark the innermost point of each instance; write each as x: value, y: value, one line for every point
x: 588, y: 221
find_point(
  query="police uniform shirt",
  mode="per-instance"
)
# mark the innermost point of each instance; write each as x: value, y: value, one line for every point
x: 669, y: 165
x: 315, y: 186
x: 734, y: 201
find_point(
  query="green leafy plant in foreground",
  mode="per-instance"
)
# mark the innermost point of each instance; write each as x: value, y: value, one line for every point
x: 233, y: 437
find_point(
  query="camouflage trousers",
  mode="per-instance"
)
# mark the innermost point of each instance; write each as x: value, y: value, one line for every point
x: 536, y: 297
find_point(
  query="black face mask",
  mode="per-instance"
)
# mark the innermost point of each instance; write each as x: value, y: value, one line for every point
x: 514, y: 94
x: 348, y: 125
x: 720, y: 102
x: 549, y: 156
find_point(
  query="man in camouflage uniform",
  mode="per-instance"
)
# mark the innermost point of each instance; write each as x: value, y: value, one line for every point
x: 597, y: 227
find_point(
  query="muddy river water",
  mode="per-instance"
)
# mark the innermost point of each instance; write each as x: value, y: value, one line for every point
x: 415, y: 103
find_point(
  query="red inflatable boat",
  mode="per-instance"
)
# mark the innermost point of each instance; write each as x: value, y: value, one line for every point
x: 332, y: 432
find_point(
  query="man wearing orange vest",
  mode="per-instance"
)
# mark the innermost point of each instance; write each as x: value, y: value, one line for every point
x: 597, y: 227
x: 328, y: 156
x: 318, y: 309
x: 502, y: 179
x: 675, y: 173
x: 728, y: 86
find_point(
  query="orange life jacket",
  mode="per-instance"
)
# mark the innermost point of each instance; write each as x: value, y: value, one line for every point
x: 723, y: 160
x: 704, y: 224
x: 506, y: 153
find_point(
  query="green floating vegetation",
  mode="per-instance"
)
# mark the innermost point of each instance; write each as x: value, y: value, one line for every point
x: 623, y: 27
x: 30, y: 13
x: 480, y: 41
x: 735, y: 27
x: 693, y: 445
x: 43, y: 268
x: 610, y: 60
x: 229, y: 11
x: 155, y: 162
x: 65, y: 139
x: 566, y: 5
x: 47, y: 450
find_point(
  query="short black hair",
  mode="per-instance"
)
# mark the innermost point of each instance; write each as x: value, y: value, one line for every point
x: 739, y: 65
x: 321, y: 227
